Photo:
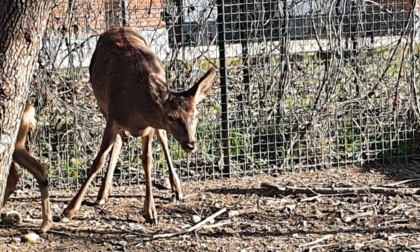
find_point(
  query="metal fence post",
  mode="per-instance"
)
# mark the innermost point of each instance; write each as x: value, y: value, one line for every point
x: 223, y: 87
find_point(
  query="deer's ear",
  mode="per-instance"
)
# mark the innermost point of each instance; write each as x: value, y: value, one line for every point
x: 158, y: 88
x: 204, y: 86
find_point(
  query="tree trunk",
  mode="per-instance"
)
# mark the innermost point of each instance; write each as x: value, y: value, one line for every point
x: 22, y: 26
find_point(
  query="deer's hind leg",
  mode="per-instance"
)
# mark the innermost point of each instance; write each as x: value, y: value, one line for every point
x: 108, y: 139
x: 106, y: 186
x: 12, y: 181
x: 24, y: 159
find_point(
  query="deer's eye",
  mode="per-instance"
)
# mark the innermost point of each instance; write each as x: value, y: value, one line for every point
x: 171, y: 118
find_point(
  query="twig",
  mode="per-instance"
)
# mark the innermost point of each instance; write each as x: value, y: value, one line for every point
x: 326, y: 237
x: 321, y: 246
x: 341, y: 190
x: 59, y: 233
x: 30, y: 220
x: 218, y: 224
x: 193, y: 228
x: 310, y: 198
x: 393, y: 236
x: 403, y: 182
x: 356, y: 216
x: 189, y: 196
x: 233, y: 213
x: 397, y: 208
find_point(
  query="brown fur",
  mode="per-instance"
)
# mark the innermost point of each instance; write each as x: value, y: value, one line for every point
x: 22, y: 157
x: 130, y: 86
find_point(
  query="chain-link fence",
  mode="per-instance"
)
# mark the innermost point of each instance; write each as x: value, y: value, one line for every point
x: 303, y: 84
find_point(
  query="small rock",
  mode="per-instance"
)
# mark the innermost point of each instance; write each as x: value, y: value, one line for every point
x: 30, y: 237
x: 359, y: 245
x: 202, y: 197
x: 167, y: 184
x: 196, y: 218
x: 291, y: 207
x: 135, y: 226
x: 347, y: 219
x: 122, y: 243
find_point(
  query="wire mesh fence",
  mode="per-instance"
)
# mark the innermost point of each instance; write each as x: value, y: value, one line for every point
x: 303, y: 84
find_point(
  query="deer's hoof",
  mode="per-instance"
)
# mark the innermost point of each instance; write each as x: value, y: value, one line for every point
x: 46, y: 225
x: 67, y: 214
x: 60, y: 218
x: 176, y: 196
x: 150, y: 219
x: 153, y: 222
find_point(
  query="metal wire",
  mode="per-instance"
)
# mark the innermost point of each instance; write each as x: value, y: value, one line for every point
x: 303, y: 84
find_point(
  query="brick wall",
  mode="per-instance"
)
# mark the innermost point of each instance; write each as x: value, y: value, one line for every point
x: 91, y: 16
x: 395, y: 5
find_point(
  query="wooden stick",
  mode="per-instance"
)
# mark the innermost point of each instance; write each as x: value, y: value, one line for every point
x: 403, y: 182
x: 356, y: 216
x: 218, y: 224
x: 326, y: 237
x: 310, y: 198
x: 193, y: 228
x: 341, y: 190
x: 233, y: 213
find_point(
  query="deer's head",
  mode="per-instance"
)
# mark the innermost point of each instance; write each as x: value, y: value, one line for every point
x: 180, y: 108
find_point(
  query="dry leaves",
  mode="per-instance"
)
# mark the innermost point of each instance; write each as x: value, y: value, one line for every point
x: 239, y: 215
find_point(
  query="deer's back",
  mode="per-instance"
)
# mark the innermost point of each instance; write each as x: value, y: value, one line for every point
x: 119, y: 72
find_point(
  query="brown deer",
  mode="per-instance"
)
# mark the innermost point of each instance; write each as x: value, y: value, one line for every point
x: 132, y: 93
x: 22, y: 157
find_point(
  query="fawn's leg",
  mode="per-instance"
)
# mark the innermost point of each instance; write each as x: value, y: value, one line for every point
x: 106, y: 186
x: 147, y: 161
x: 24, y: 159
x: 173, y: 177
x: 12, y: 181
x: 107, y: 141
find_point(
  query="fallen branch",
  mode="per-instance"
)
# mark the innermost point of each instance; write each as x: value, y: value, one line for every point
x: 326, y: 237
x: 403, y: 182
x: 193, y: 228
x: 316, y: 247
x: 341, y: 190
x: 218, y: 224
x: 349, y: 218
x: 310, y: 198
x: 233, y: 213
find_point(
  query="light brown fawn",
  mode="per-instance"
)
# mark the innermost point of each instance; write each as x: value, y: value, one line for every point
x: 22, y: 157
x: 132, y: 93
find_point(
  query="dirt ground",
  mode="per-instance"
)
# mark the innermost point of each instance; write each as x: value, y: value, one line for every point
x: 342, y: 209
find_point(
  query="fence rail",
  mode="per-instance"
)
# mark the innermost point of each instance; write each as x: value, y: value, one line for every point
x: 303, y: 84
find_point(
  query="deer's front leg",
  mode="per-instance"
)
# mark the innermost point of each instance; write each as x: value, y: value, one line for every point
x: 147, y: 159
x: 173, y: 177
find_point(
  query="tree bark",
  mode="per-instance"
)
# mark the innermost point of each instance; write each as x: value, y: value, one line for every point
x: 22, y: 26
